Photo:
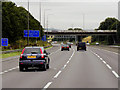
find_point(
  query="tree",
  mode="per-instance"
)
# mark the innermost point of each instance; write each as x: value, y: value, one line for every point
x: 77, y: 29
x: 108, y: 24
x: 70, y: 29
x: 15, y: 21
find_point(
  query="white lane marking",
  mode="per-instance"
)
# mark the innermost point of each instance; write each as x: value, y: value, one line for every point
x: 18, y: 66
x: 115, y: 74
x: 8, y: 70
x: 104, y: 62
x: 55, y: 52
x: 108, y: 66
x: 101, y: 59
x: 47, y: 85
x: 105, y: 50
x: 68, y: 62
x: 57, y: 74
x: 64, y: 66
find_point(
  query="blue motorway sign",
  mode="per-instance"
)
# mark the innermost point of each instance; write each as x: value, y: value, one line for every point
x: 44, y: 38
x: 4, y: 41
x: 32, y: 33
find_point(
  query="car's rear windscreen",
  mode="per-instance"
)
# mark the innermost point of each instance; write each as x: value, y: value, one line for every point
x: 81, y: 44
x: 32, y: 51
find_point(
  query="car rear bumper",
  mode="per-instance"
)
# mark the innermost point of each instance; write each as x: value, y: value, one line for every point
x: 31, y: 63
x: 65, y: 48
x: 81, y: 48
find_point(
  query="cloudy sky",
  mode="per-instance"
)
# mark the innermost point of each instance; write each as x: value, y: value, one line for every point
x: 64, y: 14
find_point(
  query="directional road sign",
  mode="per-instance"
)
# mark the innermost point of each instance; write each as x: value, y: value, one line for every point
x: 32, y: 33
x: 4, y: 42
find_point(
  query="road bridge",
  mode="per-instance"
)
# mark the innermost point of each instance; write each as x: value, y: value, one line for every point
x: 77, y: 35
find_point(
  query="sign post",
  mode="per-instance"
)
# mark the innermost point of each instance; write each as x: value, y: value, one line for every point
x: 44, y: 38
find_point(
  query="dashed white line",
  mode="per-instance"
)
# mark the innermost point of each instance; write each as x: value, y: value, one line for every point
x: 68, y: 62
x: 57, y: 74
x: 47, y: 85
x: 55, y: 52
x: 64, y: 66
x: 108, y: 66
x: 104, y: 62
x: 8, y: 70
x: 101, y: 59
x: 115, y: 74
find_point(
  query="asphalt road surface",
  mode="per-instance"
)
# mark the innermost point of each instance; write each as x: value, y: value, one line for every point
x: 94, y: 68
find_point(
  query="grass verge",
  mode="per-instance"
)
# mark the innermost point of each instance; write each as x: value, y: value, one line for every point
x: 16, y: 53
x: 10, y: 54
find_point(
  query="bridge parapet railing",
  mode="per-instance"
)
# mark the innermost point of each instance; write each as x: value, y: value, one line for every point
x: 88, y: 31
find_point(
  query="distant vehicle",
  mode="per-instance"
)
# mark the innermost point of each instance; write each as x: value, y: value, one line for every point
x: 81, y: 46
x: 34, y: 57
x: 64, y: 47
x: 61, y: 42
x: 54, y: 42
x: 87, y: 43
x: 97, y: 43
x: 68, y: 43
x: 71, y: 43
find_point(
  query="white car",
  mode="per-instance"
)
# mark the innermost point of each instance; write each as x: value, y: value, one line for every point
x: 97, y: 43
x: 88, y: 43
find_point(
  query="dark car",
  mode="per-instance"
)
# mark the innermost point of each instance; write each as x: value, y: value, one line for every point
x: 34, y: 57
x: 81, y: 46
x: 64, y: 47
x: 68, y: 43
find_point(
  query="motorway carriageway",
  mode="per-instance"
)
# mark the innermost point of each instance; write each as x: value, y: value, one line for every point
x: 94, y: 68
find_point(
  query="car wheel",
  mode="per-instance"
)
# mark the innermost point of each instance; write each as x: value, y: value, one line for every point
x: 77, y: 49
x: 68, y: 49
x: 61, y: 49
x: 47, y: 66
x: 26, y: 68
x: 21, y: 68
x: 44, y: 67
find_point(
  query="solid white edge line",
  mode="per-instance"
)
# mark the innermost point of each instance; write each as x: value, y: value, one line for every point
x: 105, y: 50
x: 115, y: 74
x: 47, y: 85
x: 57, y: 74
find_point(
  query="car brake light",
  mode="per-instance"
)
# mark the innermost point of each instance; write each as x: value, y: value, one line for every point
x: 22, y: 53
x: 67, y: 47
x: 42, y: 55
x: 41, y: 62
x: 62, y: 47
x: 21, y: 63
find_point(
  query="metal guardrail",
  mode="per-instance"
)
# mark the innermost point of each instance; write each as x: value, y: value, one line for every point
x: 18, y: 50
